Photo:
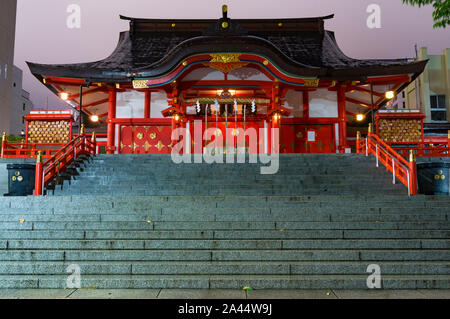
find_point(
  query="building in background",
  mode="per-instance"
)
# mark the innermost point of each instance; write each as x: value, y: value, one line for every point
x: 7, y: 32
x: 21, y: 104
x: 14, y: 100
x: 433, y: 87
x: 398, y: 102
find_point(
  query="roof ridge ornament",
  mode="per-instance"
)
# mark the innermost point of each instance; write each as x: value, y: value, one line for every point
x: 224, y: 26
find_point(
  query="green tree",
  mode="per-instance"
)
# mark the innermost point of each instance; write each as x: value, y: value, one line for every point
x: 441, y: 14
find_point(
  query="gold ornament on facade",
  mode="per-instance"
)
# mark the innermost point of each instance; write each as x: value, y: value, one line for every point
x: 225, y: 62
x: 160, y: 146
x: 140, y: 136
x: 140, y: 84
x: 153, y: 136
x: 311, y: 82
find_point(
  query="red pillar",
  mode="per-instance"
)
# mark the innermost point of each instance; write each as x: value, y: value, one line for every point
x: 148, y: 98
x: 174, y: 127
x: 306, y: 105
x: 342, y: 118
x: 111, y: 127
x: 413, y: 173
x: 39, y: 177
x: 276, y: 124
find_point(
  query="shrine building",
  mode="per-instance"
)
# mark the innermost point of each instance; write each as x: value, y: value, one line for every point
x: 259, y: 73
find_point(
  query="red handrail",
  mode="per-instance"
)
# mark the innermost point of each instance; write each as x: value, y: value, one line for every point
x: 402, y: 170
x: 29, y: 150
x: 47, y: 171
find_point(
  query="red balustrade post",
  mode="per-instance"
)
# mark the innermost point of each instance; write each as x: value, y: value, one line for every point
x: 83, y: 139
x: 448, y: 143
x: 413, y: 173
x: 39, y: 178
x: 358, y: 141
x: 4, y: 144
x: 94, y: 144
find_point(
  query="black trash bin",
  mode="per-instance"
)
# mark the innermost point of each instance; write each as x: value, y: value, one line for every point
x: 21, y: 179
x: 433, y: 178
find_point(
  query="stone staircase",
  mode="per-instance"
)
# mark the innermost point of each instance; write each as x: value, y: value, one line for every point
x: 143, y: 222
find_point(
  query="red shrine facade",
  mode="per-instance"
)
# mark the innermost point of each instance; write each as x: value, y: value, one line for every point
x: 262, y: 73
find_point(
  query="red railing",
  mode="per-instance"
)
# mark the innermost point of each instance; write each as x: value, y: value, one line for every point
x: 436, y: 146
x: 47, y: 171
x: 402, y: 170
x: 29, y: 150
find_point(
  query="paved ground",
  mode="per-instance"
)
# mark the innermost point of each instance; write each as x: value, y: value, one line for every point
x: 219, y: 294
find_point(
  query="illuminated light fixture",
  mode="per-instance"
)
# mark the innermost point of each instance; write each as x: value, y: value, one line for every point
x: 232, y: 92
x: 219, y: 92
x: 360, y: 117
x: 64, y: 96
x: 176, y: 117
x: 390, y: 95
x: 277, y: 116
x: 94, y: 118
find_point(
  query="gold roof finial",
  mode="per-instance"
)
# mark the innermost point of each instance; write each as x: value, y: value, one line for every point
x: 370, y: 128
x: 225, y: 11
x: 94, y: 137
x: 412, y: 156
x: 39, y: 157
x: 82, y: 129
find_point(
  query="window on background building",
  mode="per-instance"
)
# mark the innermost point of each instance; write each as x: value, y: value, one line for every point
x: 6, y: 71
x: 438, y: 108
x: 403, y: 94
x: 24, y: 106
x: 404, y: 105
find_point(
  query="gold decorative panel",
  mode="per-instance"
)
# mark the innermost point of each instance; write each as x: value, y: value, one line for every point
x: 400, y: 130
x: 49, y: 132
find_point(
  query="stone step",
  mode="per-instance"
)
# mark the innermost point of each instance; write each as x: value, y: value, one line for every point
x: 229, y: 217
x: 221, y: 268
x: 225, y: 225
x: 228, y: 282
x: 227, y: 255
x: 222, y: 234
x: 224, y: 244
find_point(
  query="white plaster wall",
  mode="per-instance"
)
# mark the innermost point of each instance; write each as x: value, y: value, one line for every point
x: 323, y: 103
x: 158, y: 103
x: 248, y: 74
x: 294, y: 102
x: 130, y: 104
x: 210, y: 74
x: 204, y: 74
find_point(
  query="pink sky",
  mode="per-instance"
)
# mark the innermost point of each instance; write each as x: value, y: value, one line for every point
x: 43, y: 37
